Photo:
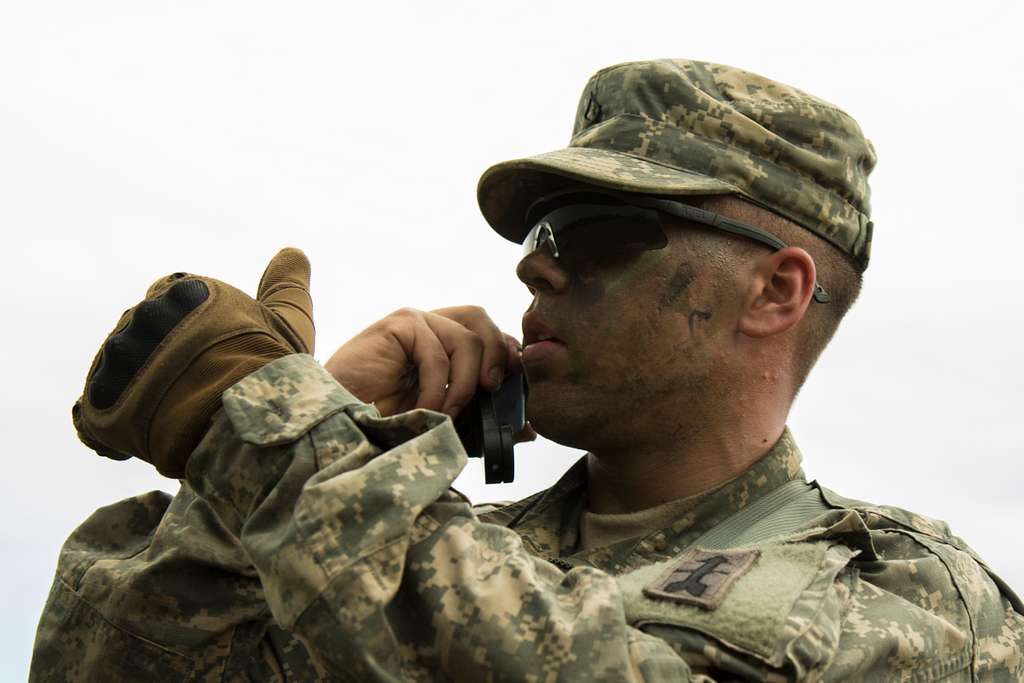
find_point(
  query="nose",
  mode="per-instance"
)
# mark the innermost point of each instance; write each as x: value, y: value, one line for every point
x: 540, y: 271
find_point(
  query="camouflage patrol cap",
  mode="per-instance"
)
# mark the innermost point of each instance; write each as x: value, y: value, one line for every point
x: 680, y: 127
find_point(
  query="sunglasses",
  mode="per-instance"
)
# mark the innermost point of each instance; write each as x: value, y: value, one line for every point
x: 586, y: 230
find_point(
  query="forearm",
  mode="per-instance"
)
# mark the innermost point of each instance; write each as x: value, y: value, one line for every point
x: 365, y: 553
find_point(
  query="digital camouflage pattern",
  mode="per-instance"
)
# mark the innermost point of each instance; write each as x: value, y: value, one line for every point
x: 313, y: 539
x: 681, y: 127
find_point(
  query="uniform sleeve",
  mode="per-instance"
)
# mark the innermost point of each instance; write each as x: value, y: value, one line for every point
x: 155, y: 589
x: 365, y: 553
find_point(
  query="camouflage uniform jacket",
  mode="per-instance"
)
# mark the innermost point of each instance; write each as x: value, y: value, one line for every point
x: 313, y: 539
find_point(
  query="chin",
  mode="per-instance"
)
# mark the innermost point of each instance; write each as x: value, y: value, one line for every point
x: 562, y: 419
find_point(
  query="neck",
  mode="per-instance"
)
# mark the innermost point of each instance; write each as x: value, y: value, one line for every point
x: 676, y: 460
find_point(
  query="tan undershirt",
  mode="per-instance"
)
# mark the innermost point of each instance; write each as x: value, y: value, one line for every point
x: 597, y: 531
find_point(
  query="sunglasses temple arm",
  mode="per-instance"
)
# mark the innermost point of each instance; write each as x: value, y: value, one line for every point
x: 720, y: 222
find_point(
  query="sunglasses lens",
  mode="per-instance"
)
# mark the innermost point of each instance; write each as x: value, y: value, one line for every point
x: 540, y: 236
x: 583, y: 238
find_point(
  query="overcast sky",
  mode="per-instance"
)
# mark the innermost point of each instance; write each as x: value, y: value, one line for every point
x: 139, y: 138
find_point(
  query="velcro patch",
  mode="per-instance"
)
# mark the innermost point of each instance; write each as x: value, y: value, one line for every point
x: 701, y: 577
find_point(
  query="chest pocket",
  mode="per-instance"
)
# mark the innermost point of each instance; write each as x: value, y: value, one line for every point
x: 773, y: 602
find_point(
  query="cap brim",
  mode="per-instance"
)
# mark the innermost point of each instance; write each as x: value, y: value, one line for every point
x: 506, y: 190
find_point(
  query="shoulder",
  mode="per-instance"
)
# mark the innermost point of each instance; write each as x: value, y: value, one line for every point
x: 919, y: 563
x: 130, y: 583
x: 117, y: 531
x: 76, y: 631
x: 860, y: 592
x: 899, y: 534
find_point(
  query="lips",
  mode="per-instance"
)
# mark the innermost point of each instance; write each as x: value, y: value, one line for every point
x: 541, y: 347
x: 535, y: 331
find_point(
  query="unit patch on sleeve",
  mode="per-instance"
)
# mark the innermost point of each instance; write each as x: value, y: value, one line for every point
x: 701, y: 577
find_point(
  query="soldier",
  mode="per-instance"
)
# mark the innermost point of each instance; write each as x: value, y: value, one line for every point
x: 690, y: 255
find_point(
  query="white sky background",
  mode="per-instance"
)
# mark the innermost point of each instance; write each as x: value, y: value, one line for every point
x: 142, y: 138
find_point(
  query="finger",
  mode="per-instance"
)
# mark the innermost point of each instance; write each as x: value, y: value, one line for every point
x: 465, y: 351
x: 284, y: 289
x: 163, y: 284
x: 514, y: 355
x: 494, y: 363
x: 432, y: 366
x: 526, y: 435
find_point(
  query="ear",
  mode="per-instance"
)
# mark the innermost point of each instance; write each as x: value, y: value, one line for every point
x: 780, y: 293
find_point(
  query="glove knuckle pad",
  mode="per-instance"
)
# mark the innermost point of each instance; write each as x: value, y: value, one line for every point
x: 126, y: 352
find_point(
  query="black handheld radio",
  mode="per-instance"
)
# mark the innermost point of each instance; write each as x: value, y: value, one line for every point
x: 488, y: 426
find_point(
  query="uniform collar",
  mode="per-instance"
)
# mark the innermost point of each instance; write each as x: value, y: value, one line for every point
x: 548, y: 522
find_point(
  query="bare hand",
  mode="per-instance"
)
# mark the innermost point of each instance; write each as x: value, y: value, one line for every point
x: 434, y: 360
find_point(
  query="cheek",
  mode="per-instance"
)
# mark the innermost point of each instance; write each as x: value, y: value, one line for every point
x: 626, y: 337
x: 586, y: 293
x: 620, y: 286
x: 636, y: 320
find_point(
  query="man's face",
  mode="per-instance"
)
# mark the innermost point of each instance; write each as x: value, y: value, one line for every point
x: 639, y: 334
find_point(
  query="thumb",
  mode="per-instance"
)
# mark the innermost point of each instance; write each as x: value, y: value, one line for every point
x: 284, y: 289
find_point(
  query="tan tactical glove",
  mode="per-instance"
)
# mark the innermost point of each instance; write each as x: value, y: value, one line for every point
x: 158, y: 378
